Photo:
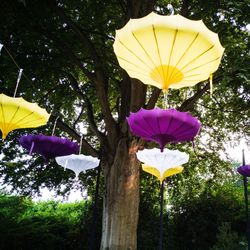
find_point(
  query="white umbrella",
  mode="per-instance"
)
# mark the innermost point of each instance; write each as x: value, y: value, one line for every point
x: 77, y: 163
x: 162, y: 164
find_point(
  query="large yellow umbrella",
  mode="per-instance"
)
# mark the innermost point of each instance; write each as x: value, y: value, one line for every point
x: 168, y: 51
x: 16, y: 113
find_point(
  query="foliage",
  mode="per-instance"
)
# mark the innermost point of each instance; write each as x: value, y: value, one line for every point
x: 44, y: 225
x: 228, y: 240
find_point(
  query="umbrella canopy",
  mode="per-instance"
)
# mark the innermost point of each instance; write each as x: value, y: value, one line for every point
x: 78, y: 163
x: 244, y: 170
x: 16, y: 113
x: 162, y: 164
x: 164, y: 126
x: 171, y: 171
x: 168, y: 51
x: 48, y: 146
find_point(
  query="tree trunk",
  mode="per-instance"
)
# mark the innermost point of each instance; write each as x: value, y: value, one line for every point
x: 121, y: 201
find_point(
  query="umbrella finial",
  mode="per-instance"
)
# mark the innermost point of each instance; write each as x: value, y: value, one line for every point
x: 18, y: 80
x: 54, y: 127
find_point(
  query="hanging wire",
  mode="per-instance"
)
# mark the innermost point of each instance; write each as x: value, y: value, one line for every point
x: 211, y: 84
x: 14, y: 61
x: 80, y: 149
x: 170, y: 8
x: 18, y: 80
x: 1, y: 46
x: 54, y: 128
x: 165, y: 100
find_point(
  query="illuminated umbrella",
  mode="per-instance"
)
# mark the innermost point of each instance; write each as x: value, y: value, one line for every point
x: 164, y: 126
x: 77, y: 163
x: 168, y: 51
x: 16, y: 113
x: 48, y: 146
x: 245, y: 171
x: 162, y: 165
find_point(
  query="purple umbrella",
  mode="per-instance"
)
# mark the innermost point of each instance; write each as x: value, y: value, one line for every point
x: 48, y: 146
x: 164, y: 126
x: 244, y: 170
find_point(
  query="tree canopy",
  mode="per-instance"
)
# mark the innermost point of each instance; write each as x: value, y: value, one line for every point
x: 65, y: 49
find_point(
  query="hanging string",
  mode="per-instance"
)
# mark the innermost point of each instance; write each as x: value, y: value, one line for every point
x: 18, y: 67
x: 54, y: 128
x: 170, y: 8
x: 211, y: 84
x: 246, y: 200
x: 18, y: 80
x: 1, y: 46
x: 80, y: 149
x: 161, y: 216
x: 31, y: 148
x: 165, y: 100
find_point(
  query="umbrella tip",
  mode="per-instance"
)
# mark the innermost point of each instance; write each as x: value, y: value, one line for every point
x: 4, y: 135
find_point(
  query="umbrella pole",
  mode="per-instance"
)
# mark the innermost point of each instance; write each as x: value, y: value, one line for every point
x: 246, y: 207
x: 161, y: 216
x: 93, y: 231
x: 246, y: 201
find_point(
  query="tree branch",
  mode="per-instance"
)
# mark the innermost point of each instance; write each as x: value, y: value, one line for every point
x: 64, y: 127
x: 153, y: 98
x: 88, y: 105
x: 188, y: 105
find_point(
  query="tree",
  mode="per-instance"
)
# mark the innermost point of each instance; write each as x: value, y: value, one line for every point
x: 65, y: 48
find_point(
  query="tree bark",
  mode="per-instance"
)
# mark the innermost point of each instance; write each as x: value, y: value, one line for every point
x: 121, y: 201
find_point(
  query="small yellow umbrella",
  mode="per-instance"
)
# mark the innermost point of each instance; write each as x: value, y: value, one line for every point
x: 16, y: 113
x: 168, y: 51
x: 169, y: 172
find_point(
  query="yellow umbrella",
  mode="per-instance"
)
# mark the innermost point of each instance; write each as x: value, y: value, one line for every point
x: 168, y: 51
x: 171, y: 171
x: 16, y: 113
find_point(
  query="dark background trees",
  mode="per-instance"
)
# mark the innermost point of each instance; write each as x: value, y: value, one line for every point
x: 65, y: 48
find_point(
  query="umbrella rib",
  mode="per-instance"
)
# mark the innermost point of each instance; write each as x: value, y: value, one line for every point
x: 202, y: 65
x: 148, y: 124
x: 194, y: 59
x: 12, y: 117
x: 24, y: 118
x: 145, y: 130
x: 187, y: 49
x: 31, y: 121
x: 134, y: 54
x: 146, y: 53
x: 171, y: 119
x: 185, y: 52
x: 121, y: 58
x: 171, y: 51
x: 158, y: 51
